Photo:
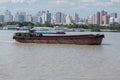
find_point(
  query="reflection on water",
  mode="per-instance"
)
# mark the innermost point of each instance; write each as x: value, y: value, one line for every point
x: 23, y: 61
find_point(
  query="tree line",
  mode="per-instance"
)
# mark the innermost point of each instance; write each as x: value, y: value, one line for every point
x: 46, y: 24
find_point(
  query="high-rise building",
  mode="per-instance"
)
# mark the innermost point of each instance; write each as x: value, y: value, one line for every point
x: 52, y: 18
x: 89, y: 18
x: 42, y: 17
x: 8, y: 16
x: 35, y: 19
x: 102, y: 13
x: 112, y: 20
x: 119, y: 19
x: 40, y: 20
x: 20, y: 17
x: 101, y: 18
x: 46, y: 17
x: 114, y: 15
x: 63, y: 18
x: 1, y: 18
x: 29, y: 18
x: 93, y: 19
x: 68, y: 20
x: 76, y: 18
x: 97, y: 18
x: 40, y: 13
x: 60, y: 18
x: 106, y: 19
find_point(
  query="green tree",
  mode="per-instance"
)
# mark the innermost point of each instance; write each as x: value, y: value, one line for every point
x: 0, y: 25
x: 46, y: 24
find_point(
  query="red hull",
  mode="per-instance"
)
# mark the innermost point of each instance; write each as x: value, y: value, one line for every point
x: 65, y: 39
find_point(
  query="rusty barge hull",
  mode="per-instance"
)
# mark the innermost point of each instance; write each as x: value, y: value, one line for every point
x: 65, y: 39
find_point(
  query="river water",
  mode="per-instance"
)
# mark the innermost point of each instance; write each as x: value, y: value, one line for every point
x: 31, y: 61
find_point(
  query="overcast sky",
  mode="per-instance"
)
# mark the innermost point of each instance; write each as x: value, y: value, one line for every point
x: 82, y: 7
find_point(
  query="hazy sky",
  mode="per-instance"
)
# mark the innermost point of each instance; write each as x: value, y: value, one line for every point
x: 82, y: 7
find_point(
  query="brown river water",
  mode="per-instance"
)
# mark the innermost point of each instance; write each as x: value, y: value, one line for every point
x: 31, y: 61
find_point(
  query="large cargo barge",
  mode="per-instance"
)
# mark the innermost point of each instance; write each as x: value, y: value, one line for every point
x: 86, y: 39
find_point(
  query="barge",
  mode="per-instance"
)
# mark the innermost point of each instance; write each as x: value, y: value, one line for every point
x: 86, y: 39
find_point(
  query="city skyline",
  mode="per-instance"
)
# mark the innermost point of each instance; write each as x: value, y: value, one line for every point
x: 82, y: 7
x: 100, y: 18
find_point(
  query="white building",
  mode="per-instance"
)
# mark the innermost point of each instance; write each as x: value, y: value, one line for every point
x: 68, y: 20
x: 29, y: 18
x: 115, y: 17
x: 42, y: 17
x: 112, y: 20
